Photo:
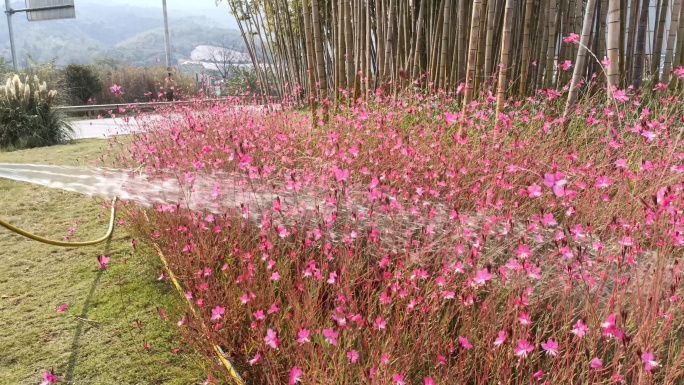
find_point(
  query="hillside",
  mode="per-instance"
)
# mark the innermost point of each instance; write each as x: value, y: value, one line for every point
x: 124, y: 33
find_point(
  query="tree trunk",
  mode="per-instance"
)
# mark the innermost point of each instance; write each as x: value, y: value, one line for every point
x: 309, y: 52
x: 640, y: 44
x: 349, y: 46
x: 580, y: 63
x: 472, y: 52
x: 505, y: 49
x: 489, y: 44
x: 613, y: 45
x: 674, y: 27
x: 318, y: 42
x: 658, y: 45
x: 525, y: 67
x: 446, y: 28
x: 551, y: 49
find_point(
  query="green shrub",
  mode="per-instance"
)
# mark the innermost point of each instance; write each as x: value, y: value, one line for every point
x: 27, y: 118
x: 82, y: 83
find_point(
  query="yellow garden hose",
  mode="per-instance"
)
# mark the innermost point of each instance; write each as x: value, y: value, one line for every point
x: 236, y: 377
x: 226, y: 363
x: 65, y: 244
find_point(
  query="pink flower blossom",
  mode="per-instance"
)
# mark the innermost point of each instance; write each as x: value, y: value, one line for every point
x: 482, y: 277
x: 523, y: 349
x: 103, y: 261
x: 330, y: 336
x: 450, y: 118
x: 649, y: 361
x: 580, y: 329
x: 380, y: 324
x: 620, y: 96
x: 398, y: 379
x: 303, y: 336
x: 556, y: 182
x: 602, y: 182
x: 566, y: 65
x: 464, y: 342
x: 596, y: 363
x: 254, y: 360
x: 679, y: 72
x: 534, y: 191
x: 295, y: 375
x: 353, y: 356
x: 62, y: 308
x: 550, y: 346
x: 429, y: 381
x: 217, y: 312
x: 271, y: 339
x: 500, y: 339
x: 50, y: 378
x: 572, y: 38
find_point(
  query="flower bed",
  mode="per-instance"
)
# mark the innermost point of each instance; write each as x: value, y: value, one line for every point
x: 381, y: 248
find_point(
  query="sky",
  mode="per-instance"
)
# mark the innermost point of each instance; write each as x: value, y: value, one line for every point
x: 198, y: 7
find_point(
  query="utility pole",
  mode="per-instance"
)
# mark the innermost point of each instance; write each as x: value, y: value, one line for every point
x: 9, y: 12
x: 169, y: 91
x: 44, y: 10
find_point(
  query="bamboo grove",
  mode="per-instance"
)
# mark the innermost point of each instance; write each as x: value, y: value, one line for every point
x: 326, y: 48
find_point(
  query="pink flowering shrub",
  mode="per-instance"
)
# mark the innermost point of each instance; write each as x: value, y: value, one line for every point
x: 381, y: 248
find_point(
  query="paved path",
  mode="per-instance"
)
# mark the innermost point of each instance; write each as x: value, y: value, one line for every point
x: 102, y: 128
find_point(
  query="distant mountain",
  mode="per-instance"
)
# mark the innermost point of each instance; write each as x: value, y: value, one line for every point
x: 127, y: 34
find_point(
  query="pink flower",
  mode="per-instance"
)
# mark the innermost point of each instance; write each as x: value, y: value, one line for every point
x: 295, y: 374
x: 384, y: 359
x: 620, y: 96
x: 244, y: 161
x: 534, y: 191
x: 217, y: 312
x: 482, y: 277
x: 259, y: 315
x: 380, y: 324
x: 353, y: 356
x: 429, y: 381
x: 500, y: 338
x: 550, y: 346
x: 580, y: 329
x: 62, y: 308
x: 464, y: 342
x: 602, y: 182
x: 679, y: 72
x: 556, y: 182
x: 102, y: 261
x: 275, y: 276
x: 606, y: 62
x: 596, y: 364
x: 565, y: 65
x: 523, y: 251
x: 271, y: 339
x: 524, y: 348
x: 450, y: 118
x: 303, y: 336
x: 398, y: 379
x: 49, y: 378
x: 330, y: 336
x: 116, y: 90
x: 524, y: 319
x: 625, y: 241
x: 572, y: 38
x: 254, y: 360
x: 649, y: 361
x: 341, y: 175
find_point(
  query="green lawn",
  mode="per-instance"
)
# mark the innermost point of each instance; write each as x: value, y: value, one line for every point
x: 96, y: 340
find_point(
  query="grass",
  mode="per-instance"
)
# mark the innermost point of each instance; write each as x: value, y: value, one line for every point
x: 96, y: 340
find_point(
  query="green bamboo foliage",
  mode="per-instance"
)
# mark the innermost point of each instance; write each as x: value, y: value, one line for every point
x: 457, y: 45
